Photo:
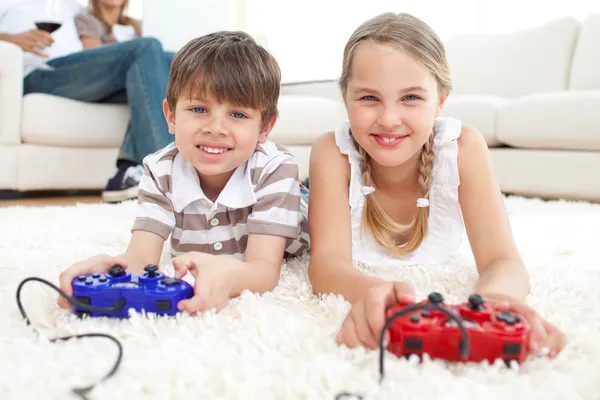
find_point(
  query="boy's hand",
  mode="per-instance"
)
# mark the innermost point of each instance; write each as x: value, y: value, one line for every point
x: 213, y: 283
x: 366, y: 318
x: 96, y: 264
x: 543, y: 333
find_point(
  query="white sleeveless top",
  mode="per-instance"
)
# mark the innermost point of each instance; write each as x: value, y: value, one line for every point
x: 446, y: 228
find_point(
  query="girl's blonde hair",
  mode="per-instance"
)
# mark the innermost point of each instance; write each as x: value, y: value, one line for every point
x: 95, y: 9
x: 415, y: 38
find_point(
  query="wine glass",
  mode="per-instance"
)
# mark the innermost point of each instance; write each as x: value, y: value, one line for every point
x: 50, y: 17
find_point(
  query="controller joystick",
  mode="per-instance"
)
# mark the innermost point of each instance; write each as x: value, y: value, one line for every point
x: 435, y: 298
x: 116, y: 270
x: 152, y: 270
x: 475, y: 302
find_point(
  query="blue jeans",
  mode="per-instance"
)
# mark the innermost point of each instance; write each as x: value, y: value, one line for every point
x: 135, y: 70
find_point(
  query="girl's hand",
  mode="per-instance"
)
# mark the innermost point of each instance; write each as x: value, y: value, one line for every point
x: 544, y: 334
x: 213, y: 282
x: 366, y: 318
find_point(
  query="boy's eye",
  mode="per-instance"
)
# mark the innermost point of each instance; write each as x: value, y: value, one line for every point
x: 198, y: 110
x: 238, y: 115
x: 369, y: 98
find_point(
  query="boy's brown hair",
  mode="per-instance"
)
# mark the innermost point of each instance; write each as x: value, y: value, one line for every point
x: 231, y: 67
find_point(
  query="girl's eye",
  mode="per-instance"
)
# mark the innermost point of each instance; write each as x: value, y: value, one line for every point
x: 369, y: 98
x: 198, y: 110
x: 238, y: 115
x: 411, y: 97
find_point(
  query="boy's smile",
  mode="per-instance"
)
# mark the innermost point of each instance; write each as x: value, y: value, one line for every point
x: 213, y: 151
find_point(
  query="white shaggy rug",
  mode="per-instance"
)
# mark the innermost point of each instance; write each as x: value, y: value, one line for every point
x: 281, y: 345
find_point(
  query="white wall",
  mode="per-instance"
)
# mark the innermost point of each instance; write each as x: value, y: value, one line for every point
x: 135, y: 7
x: 307, y: 37
x: 175, y: 22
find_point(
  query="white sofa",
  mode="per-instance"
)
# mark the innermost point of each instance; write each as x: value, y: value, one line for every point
x: 533, y: 94
x: 53, y: 143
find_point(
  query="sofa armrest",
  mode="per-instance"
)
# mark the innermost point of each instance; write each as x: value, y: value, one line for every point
x: 11, y: 92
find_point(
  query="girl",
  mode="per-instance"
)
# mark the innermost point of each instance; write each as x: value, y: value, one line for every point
x: 106, y: 23
x: 392, y: 186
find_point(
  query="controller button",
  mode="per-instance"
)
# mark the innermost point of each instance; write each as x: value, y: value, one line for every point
x: 170, y: 281
x: 83, y: 300
x: 511, y: 348
x: 103, y: 278
x: 163, y: 305
x: 426, y: 314
x: 435, y: 298
x: 218, y: 246
x: 414, y: 318
x: 508, y: 318
x: 214, y: 221
x: 116, y: 270
x: 89, y: 280
x: 81, y: 278
x: 414, y: 344
x: 96, y: 275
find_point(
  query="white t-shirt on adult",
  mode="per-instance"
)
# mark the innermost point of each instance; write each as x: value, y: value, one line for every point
x: 17, y: 16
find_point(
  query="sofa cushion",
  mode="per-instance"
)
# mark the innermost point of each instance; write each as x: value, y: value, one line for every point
x: 57, y: 121
x: 515, y: 64
x: 303, y: 118
x: 478, y: 111
x: 585, y: 71
x: 561, y: 120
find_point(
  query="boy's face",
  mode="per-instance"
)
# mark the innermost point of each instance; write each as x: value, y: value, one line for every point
x: 215, y: 137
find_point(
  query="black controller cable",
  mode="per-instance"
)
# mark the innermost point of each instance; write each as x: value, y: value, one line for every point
x: 119, y: 304
x: 464, y: 346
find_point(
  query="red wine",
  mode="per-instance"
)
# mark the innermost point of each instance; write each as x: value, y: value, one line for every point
x: 48, y: 26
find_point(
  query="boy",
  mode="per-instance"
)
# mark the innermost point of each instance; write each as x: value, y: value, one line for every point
x: 221, y: 189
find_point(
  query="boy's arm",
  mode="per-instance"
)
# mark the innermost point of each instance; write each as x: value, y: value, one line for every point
x: 258, y: 272
x: 144, y: 248
x: 275, y: 221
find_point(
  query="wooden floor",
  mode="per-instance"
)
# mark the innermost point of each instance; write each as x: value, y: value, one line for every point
x: 51, y: 201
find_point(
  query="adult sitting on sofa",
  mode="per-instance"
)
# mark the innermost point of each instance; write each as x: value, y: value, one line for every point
x: 139, y: 66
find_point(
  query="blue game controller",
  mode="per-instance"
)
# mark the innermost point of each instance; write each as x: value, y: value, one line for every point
x: 114, y: 293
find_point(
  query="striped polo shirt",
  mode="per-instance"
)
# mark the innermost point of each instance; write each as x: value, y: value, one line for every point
x: 262, y: 196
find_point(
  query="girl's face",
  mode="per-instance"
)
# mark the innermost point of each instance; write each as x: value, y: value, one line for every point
x: 392, y: 102
x: 111, y: 3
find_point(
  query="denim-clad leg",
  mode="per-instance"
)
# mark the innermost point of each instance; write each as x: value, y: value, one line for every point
x: 137, y: 68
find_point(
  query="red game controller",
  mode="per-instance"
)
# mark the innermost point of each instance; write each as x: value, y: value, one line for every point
x: 472, y: 331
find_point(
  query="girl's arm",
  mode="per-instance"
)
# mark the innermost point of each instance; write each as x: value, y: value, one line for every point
x: 330, y: 269
x: 500, y: 267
